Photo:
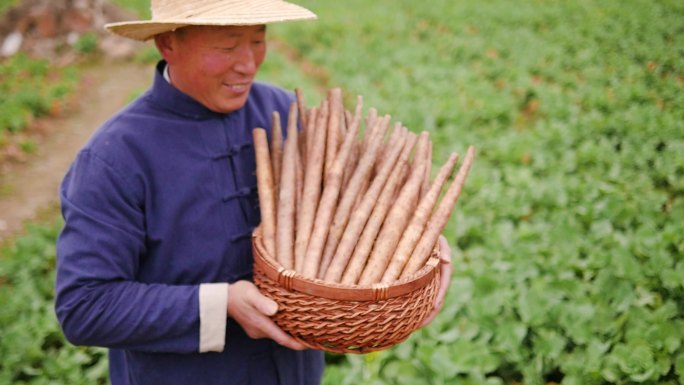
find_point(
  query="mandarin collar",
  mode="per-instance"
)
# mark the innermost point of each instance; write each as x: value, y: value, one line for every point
x: 172, y: 99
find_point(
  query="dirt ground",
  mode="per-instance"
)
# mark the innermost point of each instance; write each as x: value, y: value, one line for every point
x: 32, y: 187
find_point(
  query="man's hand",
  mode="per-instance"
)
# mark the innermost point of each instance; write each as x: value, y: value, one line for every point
x: 252, y: 310
x: 445, y: 276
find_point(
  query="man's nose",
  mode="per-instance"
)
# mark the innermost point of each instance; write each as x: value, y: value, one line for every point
x: 245, y: 63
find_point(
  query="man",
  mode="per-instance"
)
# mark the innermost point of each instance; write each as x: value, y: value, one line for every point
x: 154, y: 261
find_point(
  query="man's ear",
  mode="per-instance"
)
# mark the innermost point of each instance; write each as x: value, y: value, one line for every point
x: 166, y: 45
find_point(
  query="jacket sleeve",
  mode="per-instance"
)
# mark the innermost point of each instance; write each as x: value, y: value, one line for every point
x: 98, y: 300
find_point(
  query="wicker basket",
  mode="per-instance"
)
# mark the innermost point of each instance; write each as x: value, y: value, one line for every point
x: 343, y: 319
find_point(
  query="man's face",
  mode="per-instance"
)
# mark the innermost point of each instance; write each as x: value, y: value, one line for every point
x: 215, y: 65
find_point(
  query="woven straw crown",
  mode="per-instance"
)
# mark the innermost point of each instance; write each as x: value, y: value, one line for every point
x: 168, y: 15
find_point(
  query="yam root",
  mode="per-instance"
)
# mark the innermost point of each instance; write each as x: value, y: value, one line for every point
x: 364, y: 246
x: 287, y: 199
x: 333, y: 137
x: 360, y: 215
x: 266, y: 190
x: 397, y: 218
x: 311, y: 192
x: 414, y: 230
x: 276, y: 149
x: 301, y: 107
x: 439, y: 218
x: 344, y: 207
x: 351, y: 208
x: 326, y: 207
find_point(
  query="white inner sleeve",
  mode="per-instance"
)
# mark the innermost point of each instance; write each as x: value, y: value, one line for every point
x: 213, y: 308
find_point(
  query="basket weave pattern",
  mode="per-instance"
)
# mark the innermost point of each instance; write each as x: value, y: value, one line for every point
x: 327, y: 316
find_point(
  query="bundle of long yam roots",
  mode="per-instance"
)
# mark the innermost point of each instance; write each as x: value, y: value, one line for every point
x: 350, y: 207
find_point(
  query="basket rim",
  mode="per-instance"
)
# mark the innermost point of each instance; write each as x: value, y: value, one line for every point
x: 293, y: 281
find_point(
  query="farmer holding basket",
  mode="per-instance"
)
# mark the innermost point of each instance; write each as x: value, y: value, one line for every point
x: 155, y: 259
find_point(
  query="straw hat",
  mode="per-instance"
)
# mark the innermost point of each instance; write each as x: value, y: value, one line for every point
x: 168, y: 15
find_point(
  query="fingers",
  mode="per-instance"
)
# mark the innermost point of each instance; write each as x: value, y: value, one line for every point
x: 445, y: 279
x: 245, y: 298
x: 251, y: 309
x: 268, y: 308
x: 275, y: 333
x: 264, y: 327
x: 265, y: 305
x: 444, y: 250
x: 429, y: 318
x: 446, y: 269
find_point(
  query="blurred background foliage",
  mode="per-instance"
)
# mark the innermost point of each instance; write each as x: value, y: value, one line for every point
x: 568, y: 245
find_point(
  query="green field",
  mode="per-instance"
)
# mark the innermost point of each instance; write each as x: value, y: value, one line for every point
x: 29, y: 89
x: 568, y: 238
x: 570, y: 253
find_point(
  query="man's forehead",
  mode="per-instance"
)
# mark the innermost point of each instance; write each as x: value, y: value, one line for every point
x: 207, y: 33
x: 234, y: 30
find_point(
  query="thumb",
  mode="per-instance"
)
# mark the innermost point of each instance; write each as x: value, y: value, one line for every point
x: 445, y: 250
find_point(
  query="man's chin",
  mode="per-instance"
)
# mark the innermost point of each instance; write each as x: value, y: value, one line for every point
x: 228, y: 106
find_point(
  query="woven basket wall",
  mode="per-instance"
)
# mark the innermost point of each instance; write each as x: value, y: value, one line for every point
x: 344, y: 319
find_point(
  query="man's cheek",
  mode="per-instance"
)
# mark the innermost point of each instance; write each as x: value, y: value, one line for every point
x: 214, y: 64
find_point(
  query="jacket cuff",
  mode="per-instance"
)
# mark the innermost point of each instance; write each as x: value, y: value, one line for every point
x: 213, y: 309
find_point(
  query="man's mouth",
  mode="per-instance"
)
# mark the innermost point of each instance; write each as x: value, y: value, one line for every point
x: 238, y: 87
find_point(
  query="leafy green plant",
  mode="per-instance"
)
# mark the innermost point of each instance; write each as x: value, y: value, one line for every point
x: 5, y: 4
x: 31, y: 88
x: 140, y: 7
x: 33, y: 349
x: 86, y: 43
x: 148, y: 55
x: 279, y: 69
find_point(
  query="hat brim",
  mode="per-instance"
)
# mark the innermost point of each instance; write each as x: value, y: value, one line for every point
x: 146, y: 29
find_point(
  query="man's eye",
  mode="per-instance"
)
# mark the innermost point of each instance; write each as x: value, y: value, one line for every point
x: 257, y: 42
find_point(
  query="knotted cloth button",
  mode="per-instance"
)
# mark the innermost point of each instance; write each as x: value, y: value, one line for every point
x: 241, y: 236
x: 222, y: 155
x: 228, y: 197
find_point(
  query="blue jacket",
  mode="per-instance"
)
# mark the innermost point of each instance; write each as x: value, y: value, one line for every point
x: 161, y: 199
